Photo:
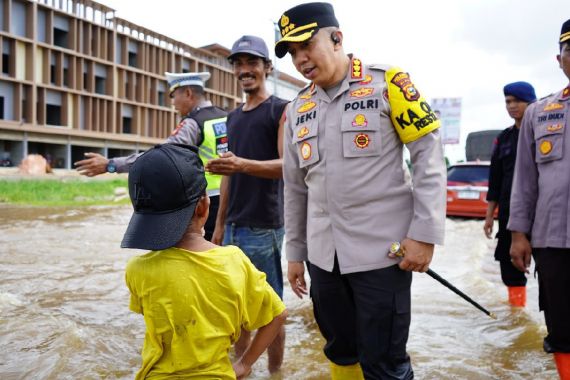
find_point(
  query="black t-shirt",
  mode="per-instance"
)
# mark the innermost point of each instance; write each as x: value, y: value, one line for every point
x: 255, y: 201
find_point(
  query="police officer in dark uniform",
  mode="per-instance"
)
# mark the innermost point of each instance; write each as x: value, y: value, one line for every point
x: 518, y: 95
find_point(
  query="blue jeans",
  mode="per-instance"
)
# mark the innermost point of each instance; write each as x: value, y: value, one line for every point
x: 263, y: 247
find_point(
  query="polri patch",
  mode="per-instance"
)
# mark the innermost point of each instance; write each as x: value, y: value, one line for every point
x: 404, y: 83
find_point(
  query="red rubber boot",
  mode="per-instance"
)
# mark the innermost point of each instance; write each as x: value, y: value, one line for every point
x: 517, y: 296
x: 562, y: 360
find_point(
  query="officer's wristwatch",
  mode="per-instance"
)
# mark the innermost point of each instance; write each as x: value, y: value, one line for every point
x: 111, y: 167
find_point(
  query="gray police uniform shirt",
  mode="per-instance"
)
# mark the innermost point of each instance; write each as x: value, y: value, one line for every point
x: 187, y: 132
x: 541, y: 187
x: 347, y: 189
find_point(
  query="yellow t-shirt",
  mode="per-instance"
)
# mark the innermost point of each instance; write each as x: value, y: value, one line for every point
x: 194, y: 304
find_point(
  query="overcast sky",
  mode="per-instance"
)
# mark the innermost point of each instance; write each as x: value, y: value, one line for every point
x: 451, y: 48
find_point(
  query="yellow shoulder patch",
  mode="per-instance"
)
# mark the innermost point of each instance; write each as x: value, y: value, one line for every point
x: 411, y: 114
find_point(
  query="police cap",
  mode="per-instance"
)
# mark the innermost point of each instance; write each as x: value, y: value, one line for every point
x: 302, y: 22
x: 176, y: 80
x: 565, y: 32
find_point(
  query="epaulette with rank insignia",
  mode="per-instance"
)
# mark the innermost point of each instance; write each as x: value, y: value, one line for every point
x: 380, y: 67
x: 307, y: 92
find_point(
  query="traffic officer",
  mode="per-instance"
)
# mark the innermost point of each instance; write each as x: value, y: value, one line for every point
x: 202, y: 124
x: 540, y: 207
x: 518, y: 95
x: 348, y: 194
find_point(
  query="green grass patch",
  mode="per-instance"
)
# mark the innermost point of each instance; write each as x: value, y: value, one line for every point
x: 62, y: 192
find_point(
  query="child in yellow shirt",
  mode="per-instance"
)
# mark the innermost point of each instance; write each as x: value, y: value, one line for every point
x: 195, y: 296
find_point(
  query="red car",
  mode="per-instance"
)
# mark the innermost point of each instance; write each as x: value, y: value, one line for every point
x: 467, y: 186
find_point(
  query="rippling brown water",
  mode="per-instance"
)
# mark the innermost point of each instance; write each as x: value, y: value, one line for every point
x: 64, y: 307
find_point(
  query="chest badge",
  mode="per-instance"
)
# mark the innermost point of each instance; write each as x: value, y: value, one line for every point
x: 553, y: 107
x: 305, y: 107
x: 554, y: 128
x: 545, y: 147
x: 360, y: 121
x: 361, y: 92
x: 361, y: 140
x: 302, y: 132
x: 306, y: 151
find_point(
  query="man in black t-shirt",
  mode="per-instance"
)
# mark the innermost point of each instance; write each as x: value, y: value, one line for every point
x: 250, y: 214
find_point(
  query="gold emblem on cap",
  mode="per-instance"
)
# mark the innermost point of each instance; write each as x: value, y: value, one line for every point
x: 284, y: 21
x: 545, y: 147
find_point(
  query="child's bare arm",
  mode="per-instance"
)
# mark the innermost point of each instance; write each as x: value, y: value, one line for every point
x: 260, y: 342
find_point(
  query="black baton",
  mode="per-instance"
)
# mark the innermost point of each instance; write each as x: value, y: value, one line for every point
x: 398, y: 250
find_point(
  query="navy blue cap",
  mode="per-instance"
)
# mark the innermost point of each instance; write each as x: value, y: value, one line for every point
x: 520, y: 90
x: 250, y: 45
x: 165, y: 184
x: 302, y: 22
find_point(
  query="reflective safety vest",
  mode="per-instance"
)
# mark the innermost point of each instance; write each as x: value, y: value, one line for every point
x: 214, y: 140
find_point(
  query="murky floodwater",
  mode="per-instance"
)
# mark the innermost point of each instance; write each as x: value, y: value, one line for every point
x: 64, y: 307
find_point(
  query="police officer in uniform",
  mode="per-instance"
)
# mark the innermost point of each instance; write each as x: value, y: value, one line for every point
x: 348, y: 194
x: 201, y: 124
x: 540, y: 207
x: 518, y: 95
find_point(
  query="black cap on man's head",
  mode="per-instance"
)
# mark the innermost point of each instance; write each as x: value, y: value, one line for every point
x: 302, y: 22
x: 250, y: 45
x: 165, y: 184
x: 565, y: 32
